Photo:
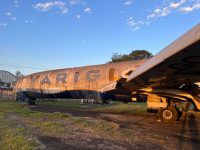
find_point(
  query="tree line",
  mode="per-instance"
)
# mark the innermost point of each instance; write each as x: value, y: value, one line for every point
x: 134, y: 55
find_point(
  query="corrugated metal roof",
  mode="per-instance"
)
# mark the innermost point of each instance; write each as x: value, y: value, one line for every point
x: 7, y: 77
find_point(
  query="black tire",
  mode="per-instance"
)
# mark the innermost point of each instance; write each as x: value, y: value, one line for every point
x: 180, y: 114
x: 31, y: 101
x: 169, y: 114
x: 20, y: 97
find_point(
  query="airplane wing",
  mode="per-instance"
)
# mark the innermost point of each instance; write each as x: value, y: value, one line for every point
x: 177, y: 64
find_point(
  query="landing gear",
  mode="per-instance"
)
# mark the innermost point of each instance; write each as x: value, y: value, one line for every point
x: 21, y: 97
x: 31, y: 102
x: 169, y: 114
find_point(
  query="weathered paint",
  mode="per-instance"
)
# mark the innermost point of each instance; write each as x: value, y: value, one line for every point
x: 88, y: 78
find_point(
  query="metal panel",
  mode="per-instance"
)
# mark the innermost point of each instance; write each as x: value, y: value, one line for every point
x: 179, y: 62
x: 7, y: 77
x: 88, y: 78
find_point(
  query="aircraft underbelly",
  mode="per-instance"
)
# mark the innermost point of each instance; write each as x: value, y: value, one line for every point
x: 73, y: 94
x: 76, y: 94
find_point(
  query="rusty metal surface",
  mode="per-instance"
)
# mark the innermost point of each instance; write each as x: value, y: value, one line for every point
x: 91, y: 78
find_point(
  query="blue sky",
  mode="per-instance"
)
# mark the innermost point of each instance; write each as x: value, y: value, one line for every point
x: 37, y: 35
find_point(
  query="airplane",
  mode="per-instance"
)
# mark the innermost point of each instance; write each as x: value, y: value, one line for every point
x: 167, y: 80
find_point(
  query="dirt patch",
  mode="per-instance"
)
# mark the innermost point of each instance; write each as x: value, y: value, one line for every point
x: 76, y: 113
x: 183, y: 134
x: 94, y: 129
x: 52, y: 143
x: 108, y: 116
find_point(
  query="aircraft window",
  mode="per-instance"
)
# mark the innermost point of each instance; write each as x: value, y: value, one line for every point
x: 112, y: 74
x: 76, y: 76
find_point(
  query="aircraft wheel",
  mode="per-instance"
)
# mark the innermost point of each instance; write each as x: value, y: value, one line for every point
x: 169, y: 114
x: 31, y: 102
x: 20, y: 97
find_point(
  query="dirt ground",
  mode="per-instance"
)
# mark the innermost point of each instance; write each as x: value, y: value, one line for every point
x: 148, y: 131
x: 54, y: 127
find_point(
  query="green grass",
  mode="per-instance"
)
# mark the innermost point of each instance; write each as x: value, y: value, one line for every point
x: 115, y: 107
x: 69, y: 104
x: 18, y: 122
x: 120, y: 108
x: 49, y: 127
x: 12, y: 106
x: 12, y: 137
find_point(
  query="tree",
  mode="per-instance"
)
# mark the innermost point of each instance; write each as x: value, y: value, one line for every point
x: 116, y: 57
x: 19, y: 75
x: 140, y: 54
x: 134, y: 55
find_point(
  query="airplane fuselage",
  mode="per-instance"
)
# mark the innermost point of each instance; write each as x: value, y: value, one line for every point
x: 79, y: 82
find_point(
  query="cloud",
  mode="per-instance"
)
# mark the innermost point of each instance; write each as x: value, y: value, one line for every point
x: 128, y: 2
x: 135, y: 25
x: 3, y: 24
x: 191, y: 8
x: 136, y: 28
x: 28, y: 21
x: 16, y: 3
x: 8, y: 14
x: 74, y: 2
x: 166, y: 9
x: 78, y: 16
x: 14, y: 18
x: 176, y: 5
x: 49, y: 5
x: 131, y: 21
x: 88, y: 10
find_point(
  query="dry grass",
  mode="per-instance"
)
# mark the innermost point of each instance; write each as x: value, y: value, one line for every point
x: 18, y: 123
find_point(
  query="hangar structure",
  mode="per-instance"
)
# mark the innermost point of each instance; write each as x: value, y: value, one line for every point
x: 7, y: 77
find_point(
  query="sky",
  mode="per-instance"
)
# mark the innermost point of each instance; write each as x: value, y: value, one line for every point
x: 37, y: 35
